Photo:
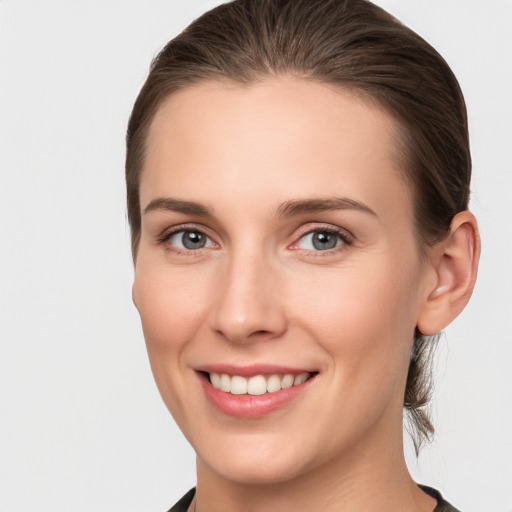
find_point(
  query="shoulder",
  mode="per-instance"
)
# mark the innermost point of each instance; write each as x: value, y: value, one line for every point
x: 184, y: 503
x: 442, y: 504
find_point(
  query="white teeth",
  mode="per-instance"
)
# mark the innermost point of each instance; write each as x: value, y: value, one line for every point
x: 300, y: 379
x: 238, y: 385
x: 257, y: 385
x: 287, y: 381
x: 273, y: 384
x: 225, y: 383
x: 215, y: 378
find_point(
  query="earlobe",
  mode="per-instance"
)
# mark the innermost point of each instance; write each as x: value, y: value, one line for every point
x: 455, y: 264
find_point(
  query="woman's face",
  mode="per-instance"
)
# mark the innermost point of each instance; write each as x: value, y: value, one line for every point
x: 278, y: 241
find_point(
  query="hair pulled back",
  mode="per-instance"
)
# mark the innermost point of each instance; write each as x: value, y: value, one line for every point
x: 359, y: 47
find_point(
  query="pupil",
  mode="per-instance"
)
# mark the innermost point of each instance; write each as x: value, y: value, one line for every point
x: 193, y: 240
x: 324, y: 241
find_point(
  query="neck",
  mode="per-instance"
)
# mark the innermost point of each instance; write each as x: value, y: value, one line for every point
x: 370, y: 478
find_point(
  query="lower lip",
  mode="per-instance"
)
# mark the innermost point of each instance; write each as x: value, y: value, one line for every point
x: 251, y: 406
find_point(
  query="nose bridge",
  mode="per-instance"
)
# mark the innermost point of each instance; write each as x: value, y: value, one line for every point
x: 247, y: 303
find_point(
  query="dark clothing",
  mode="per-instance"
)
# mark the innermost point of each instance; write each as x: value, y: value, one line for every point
x: 184, y: 503
x: 442, y: 505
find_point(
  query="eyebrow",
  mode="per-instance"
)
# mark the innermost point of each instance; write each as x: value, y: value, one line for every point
x: 302, y: 206
x: 287, y: 209
x: 168, y: 204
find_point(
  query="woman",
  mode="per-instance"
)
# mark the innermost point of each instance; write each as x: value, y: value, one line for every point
x: 298, y: 180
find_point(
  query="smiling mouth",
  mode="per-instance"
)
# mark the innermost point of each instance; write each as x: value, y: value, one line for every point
x: 256, y: 385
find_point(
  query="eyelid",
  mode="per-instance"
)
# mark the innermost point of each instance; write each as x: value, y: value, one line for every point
x: 347, y: 237
x: 164, y: 237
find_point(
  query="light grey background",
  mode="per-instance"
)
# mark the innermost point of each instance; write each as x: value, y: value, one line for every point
x: 82, y: 427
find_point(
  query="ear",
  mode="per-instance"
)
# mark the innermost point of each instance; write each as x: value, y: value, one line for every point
x: 455, y: 262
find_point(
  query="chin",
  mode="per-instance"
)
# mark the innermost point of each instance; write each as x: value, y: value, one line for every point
x: 259, y: 465
x: 256, y: 474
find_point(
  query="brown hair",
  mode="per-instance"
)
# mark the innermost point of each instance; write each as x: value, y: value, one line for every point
x: 348, y: 43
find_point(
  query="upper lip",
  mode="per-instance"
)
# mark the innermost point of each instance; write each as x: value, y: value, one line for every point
x: 253, y: 369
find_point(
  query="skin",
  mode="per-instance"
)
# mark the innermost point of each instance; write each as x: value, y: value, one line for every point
x: 260, y: 292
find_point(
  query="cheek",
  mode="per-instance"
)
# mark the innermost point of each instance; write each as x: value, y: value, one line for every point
x: 364, y: 321
x: 172, y: 308
x: 351, y: 302
x: 169, y: 306
x: 171, y: 312
x: 363, y: 317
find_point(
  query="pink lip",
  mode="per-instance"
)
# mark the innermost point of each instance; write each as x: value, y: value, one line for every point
x: 251, y: 406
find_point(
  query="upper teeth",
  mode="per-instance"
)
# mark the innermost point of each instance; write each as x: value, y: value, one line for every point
x: 257, y: 385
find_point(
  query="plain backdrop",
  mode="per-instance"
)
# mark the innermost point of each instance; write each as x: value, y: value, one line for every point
x: 82, y: 427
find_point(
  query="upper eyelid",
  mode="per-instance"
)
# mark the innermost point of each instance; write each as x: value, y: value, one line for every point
x: 347, y: 238
x: 330, y: 228
x: 164, y: 240
x: 170, y: 231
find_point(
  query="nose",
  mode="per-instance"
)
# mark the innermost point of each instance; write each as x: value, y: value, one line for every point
x: 248, y: 300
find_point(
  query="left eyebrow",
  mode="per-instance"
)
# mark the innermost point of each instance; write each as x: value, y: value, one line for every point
x: 302, y: 206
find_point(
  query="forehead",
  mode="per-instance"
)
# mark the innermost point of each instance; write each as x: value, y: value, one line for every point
x: 279, y: 137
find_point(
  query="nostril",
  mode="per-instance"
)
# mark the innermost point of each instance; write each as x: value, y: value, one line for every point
x: 246, y: 321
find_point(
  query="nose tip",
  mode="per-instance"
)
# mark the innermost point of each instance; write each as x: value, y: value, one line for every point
x: 248, y: 305
x: 246, y: 329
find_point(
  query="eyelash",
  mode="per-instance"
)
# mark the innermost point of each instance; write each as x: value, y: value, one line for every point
x: 345, y: 237
x: 166, y: 237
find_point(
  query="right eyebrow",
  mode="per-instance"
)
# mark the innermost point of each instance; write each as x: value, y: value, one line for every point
x: 169, y: 204
x: 305, y: 206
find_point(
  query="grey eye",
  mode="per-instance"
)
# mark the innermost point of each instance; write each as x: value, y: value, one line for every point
x: 320, y: 241
x: 190, y: 240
